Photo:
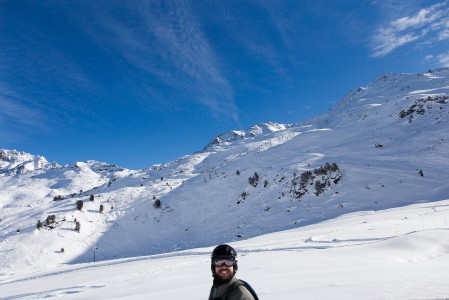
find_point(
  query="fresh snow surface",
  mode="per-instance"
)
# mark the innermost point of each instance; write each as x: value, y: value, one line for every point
x: 399, y: 253
x: 348, y: 204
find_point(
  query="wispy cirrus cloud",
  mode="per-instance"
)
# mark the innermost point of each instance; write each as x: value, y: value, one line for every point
x: 443, y: 59
x: 166, y: 42
x: 17, y: 115
x: 431, y: 23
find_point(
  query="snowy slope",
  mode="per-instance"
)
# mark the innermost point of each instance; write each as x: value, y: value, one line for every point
x: 400, y: 253
x: 385, y: 145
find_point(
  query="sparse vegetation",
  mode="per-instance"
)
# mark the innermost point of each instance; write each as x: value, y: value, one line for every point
x: 39, y: 224
x: 254, y: 180
x: 51, y: 219
x: 157, y: 203
x: 319, y: 178
x: 243, y: 197
x: 79, y: 204
x: 319, y: 187
x: 420, y: 106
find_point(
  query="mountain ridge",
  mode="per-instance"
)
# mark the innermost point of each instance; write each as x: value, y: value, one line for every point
x: 367, y: 153
x: 13, y: 162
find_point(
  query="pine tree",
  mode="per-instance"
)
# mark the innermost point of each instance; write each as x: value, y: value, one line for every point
x: 254, y: 180
x: 51, y: 219
x: 79, y: 204
x: 157, y: 203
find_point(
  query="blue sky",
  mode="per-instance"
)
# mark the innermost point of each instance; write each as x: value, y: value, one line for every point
x: 137, y: 83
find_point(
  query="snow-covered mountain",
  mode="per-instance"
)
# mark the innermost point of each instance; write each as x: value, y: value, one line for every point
x: 13, y: 162
x: 384, y: 145
x: 237, y: 135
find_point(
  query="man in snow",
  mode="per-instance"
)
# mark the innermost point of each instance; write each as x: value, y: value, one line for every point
x: 226, y: 286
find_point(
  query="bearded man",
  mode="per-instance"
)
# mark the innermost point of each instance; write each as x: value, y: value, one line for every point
x: 226, y: 286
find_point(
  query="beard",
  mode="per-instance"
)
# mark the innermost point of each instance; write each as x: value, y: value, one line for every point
x: 224, y: 275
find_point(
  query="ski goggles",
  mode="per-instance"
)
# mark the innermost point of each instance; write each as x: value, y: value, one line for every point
x: 223, y: 262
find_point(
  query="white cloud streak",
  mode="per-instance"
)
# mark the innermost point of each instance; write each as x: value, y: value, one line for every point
x: 15, y: 114
x: 430, y: 23
x: 443, y: 59
x: 167, y: 42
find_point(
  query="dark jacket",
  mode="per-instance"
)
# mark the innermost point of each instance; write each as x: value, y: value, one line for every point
x: 219, y: 291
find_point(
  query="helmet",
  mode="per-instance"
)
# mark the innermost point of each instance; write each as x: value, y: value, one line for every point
x: 223, y: 251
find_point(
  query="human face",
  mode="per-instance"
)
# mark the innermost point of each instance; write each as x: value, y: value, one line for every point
x: 224, y: 273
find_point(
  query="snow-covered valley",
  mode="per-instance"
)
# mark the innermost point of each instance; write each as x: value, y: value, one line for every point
x: 348, y: 204
x: 399, y: 253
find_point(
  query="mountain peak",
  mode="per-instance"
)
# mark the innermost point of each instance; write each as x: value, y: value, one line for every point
x: 13, y: 162
x: 252, y: 132
x: 384, y: 145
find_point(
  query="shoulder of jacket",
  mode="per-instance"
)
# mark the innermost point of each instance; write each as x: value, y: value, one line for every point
x: 239, y: 291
